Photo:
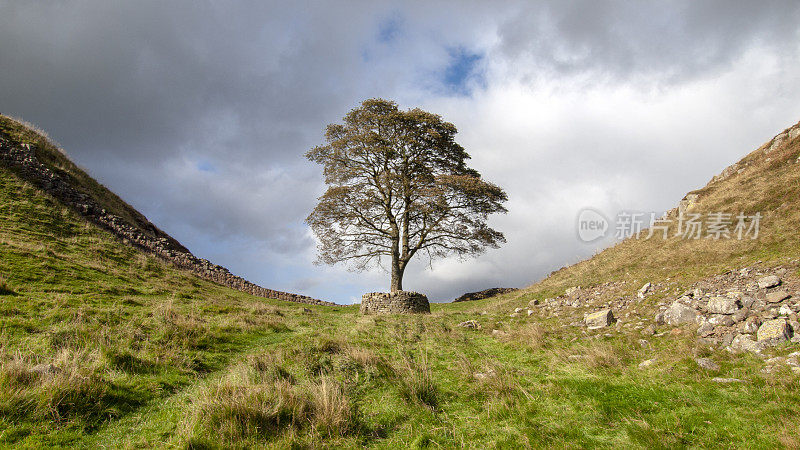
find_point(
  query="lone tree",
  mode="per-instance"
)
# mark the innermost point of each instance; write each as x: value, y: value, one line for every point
x: 399, y: 185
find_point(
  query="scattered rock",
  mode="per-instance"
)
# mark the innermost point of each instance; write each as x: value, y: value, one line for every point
x: 777, y: 296
x: 678, y: 314
x: 649, y: 330
x: 533, y: 302
x: 571, y: 291
x: 740, y: 315
x: 706, y: 329
x: 785, y: 311
x: 707, y: 364
x: 774, y: 331
x: 470, y: 324
x: 745, y: 343
x: 726, y: 380
x: 750, y: 326
x: 518, y: 310
x: 769, y: 281
x: 483, y: 375
x: 599, y: 319
x: 722, y: 305
x: 643, y: 290
x: 721, y: 320
x: 530, y: 311
x: 647, y: 363
x: 45, y: 370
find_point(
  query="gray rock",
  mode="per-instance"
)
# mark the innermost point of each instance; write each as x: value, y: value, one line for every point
x: 483, y: 375
x: 745, y: 343
x: 785, y: 311
x: 679, y: 313
x: 45, y: 370
x: 572, y: 290
x: 750, y: 326
x: 470, y: 324
x: 768, y: 282
x: 599, y: 319
x: 777, y: 296
x: 726, y: 339
x: 726, y: 380
x: 723, y: 305
x: 706, y: 329
x: 747, y: 301
x: 647, y: 363
x: 774, y: 331
x: 643, y: 290
x: 707, y: 364
x: 721, y: 320
x: 740, y: 315
x: 770, y: 313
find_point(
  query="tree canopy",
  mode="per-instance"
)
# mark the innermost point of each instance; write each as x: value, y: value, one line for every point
x: 398, y: 186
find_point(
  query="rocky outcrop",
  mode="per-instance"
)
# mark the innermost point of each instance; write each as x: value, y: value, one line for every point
x: 22, y: 160
x: 486, y: 293
x: 399, y: 302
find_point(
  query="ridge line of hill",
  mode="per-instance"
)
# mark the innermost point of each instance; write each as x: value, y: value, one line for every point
x: 22, y: 159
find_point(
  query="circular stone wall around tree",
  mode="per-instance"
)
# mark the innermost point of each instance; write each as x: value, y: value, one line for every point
x: 400, y: 302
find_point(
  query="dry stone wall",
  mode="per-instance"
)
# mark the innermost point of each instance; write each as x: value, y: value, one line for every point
x: 486, y: 293
x: 22, y: 160
x: 400, y: 302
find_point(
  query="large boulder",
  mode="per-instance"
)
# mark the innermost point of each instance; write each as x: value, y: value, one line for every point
x: 768, y: 281
x: 677, y: 314
x: 599, y: 319
x: 745, y: 343
x: 777, y: 296
x: 399, y: 302
x: 723, y: 305
x: 774, y: 331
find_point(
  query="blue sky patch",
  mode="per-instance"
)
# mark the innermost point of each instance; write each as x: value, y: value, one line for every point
x: 389, y: 29
x: 205, y: 166
x: 461, y: 70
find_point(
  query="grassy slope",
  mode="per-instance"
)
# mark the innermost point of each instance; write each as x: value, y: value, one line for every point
x: 56, y: 159
x: 769, y: 184
x: 145, y: 355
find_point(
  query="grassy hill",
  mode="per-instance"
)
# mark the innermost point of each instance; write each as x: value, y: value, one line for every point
x: 104, y: 346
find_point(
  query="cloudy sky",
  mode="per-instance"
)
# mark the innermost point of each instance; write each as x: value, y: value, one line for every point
x: 199, y: 113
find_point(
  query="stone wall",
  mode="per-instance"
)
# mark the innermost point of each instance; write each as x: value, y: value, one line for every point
x: 400, y: 302
x: 21, y: 159
x: 486, y: 293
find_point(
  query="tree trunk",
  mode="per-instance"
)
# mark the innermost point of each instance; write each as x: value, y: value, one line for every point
x: 397, y: 274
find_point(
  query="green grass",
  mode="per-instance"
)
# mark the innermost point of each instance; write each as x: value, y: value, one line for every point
x: 103, y: 346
